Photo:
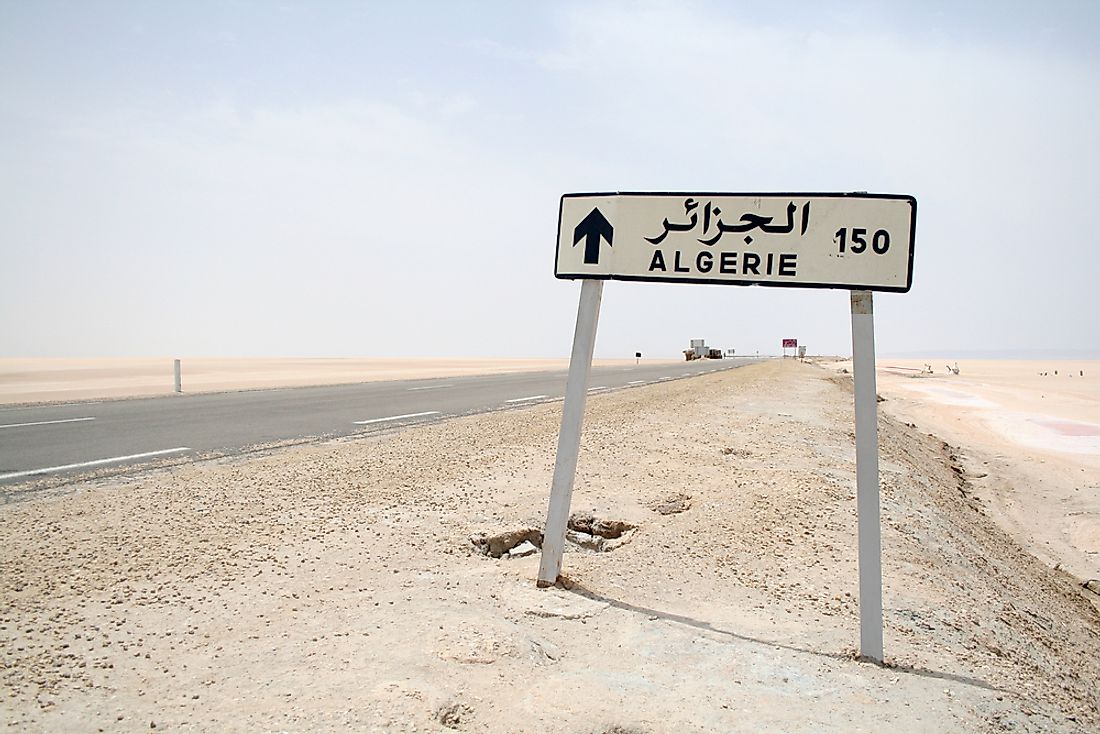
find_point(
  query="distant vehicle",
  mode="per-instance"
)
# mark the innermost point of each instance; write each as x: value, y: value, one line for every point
x: 701, y: 351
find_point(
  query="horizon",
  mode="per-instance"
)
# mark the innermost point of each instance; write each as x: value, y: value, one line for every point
x: 971, y: 354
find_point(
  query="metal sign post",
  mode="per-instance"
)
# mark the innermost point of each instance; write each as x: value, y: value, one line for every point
x: 569, y: 438
x: 867, y: 478
x: 176, y: 370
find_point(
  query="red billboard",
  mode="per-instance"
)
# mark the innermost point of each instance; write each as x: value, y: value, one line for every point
x: 790, y: 343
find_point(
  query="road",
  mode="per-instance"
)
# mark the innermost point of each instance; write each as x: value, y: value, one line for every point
x: 63, y: 442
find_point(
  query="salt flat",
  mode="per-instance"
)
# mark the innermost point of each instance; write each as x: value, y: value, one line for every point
x: 1028, y: 434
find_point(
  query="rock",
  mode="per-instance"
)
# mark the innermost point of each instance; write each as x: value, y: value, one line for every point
x: 525, y: 548
x: 583, y: 522
x: 502, y: 543
x: 584, y: 540
x: 548, y: 650
x: 673, y: 505
x: 1092, y: 585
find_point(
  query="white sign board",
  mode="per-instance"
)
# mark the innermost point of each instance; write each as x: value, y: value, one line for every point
x: 852, y: 241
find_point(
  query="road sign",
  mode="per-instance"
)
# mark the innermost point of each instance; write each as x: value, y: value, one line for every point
x: 860, y: 242
x: 853, y: 241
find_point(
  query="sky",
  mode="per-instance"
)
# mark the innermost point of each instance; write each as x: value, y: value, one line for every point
x: 338, y: 179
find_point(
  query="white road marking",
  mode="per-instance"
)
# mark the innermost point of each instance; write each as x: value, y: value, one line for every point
x: 685, y: 374
x: 530, y: 397
x: 598, y: 387
x: 97, y: 462
x: 46, y: 423
x: 429, y: 387
x: 396, y: 417
x: 636, y: 382
x: 56, y: 405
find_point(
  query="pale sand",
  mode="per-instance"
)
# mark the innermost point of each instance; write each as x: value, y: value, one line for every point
x: 62, y: 380
x: 334, y: 587
x: 1034, y: 437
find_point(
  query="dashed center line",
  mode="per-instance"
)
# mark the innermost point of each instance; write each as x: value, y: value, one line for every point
x: 429, y: 387
x: 598, y: 387
x: 636, y: 382
x: 529, y: 397
x: 46, y: 423
x: 396, y: 417
x: 97, y: 462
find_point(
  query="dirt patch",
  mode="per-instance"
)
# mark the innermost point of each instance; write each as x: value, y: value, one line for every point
x: 673, y: 505
x: 453, y: 715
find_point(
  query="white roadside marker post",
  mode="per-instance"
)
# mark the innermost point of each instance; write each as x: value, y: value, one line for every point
x: 867, y: 476
x: 179, y: 383
x: 569, y: 438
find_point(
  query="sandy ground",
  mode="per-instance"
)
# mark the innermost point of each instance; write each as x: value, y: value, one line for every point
x: 1030, y: 438
x: 338, y: 587
x: 61, y: 380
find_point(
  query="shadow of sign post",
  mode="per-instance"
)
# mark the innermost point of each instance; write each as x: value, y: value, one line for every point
x: 858, y: 242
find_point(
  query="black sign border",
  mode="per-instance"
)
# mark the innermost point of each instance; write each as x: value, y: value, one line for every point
x: 767, y: 284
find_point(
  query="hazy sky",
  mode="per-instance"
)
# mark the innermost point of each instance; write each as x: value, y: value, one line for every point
x: 343, y: 179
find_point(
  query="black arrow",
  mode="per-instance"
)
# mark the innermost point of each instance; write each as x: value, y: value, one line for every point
x: 592, y: 228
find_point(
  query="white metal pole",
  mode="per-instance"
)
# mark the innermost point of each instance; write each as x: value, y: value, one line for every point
x: 867, y: 478
x: 569, y: 438
x: 179, y: 383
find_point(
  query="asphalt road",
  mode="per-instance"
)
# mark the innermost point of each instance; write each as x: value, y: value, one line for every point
x: 63, y: 442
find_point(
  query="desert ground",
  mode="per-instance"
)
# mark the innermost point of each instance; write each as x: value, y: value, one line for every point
x: 61, y: 380
x: 386, y: 582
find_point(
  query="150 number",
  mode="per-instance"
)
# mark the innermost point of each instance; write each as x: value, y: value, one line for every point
x: 880, y: 240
